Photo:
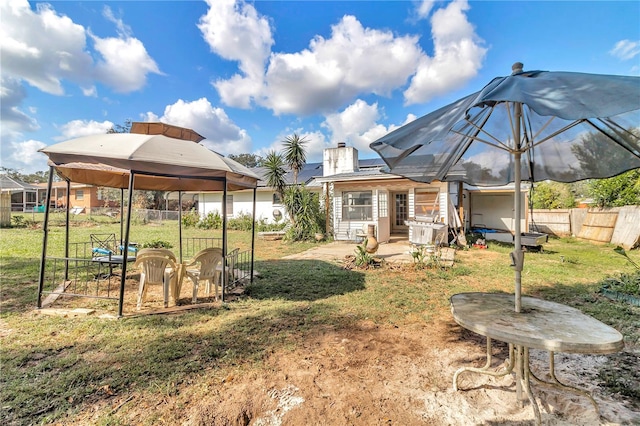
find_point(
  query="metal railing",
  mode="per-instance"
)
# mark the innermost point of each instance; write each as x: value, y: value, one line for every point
x: 80, y: 277
x: 191, y: 246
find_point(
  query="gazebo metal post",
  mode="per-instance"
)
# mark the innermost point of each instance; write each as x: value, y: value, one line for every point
x: 180, y: 222
x: 45, y: 237
x: 224, y: 239
x: 126, y: 245
x: 253, y: 233
x: 66, y: 235
x: 121, y: 213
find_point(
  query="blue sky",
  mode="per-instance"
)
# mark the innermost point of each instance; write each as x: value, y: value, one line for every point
x: 248, y: 74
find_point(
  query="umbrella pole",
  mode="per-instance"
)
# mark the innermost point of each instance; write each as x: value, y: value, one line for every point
x: 517, y: 255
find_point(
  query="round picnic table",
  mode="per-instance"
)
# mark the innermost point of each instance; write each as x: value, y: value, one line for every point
x: 541, y: 324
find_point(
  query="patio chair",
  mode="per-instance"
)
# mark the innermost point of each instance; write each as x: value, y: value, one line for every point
x: 157, y: 266
x: 106, y: 251
x: 209, y: 267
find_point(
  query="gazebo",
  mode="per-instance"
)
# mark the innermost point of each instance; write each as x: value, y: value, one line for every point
x: 154, y: 156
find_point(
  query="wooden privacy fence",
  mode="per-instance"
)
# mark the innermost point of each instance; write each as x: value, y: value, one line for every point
x: 616, y: 225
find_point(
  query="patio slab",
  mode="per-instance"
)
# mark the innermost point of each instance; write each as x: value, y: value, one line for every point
x: 395, y: 251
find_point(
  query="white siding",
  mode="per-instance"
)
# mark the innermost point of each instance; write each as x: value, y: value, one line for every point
x: 242, y: 203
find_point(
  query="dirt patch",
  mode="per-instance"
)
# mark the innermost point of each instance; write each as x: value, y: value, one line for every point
x: 389, y: 376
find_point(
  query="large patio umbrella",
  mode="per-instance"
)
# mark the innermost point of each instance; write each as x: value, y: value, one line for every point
x: 534, y: 126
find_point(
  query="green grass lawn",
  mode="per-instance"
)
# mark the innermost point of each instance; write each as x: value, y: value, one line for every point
x: 52, y: 368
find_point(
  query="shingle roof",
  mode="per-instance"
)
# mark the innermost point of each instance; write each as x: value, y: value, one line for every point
x: 312, y: 171
x: 10, y: 184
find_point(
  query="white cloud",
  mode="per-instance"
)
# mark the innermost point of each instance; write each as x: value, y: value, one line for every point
x: 123, y: 29
x: 315, y: 144
x: 221, y: 133
x: 357, y: 126
x: 424, y: 8
x: 78, y: 128
x: 14, y: 120
x: 457, y: 56
x: 125, y: 63
x: 333, y: 71
x: 625, y: 50
x: 24, y: 156
x: 236, y: 32
x: 44, y: 49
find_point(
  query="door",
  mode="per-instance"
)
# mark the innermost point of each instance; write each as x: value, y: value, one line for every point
x: 400, y: 213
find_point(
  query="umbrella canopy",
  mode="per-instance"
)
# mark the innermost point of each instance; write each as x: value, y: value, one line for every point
x: 534, y: 125
x: 159, y: 162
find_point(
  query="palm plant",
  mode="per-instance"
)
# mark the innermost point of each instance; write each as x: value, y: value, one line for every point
x: 294, y: 154
x: 275, y: 174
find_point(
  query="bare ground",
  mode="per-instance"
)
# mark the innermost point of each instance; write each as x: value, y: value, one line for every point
x: 379, y: 376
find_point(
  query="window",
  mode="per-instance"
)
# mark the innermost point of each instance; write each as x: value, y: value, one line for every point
x: 276, y: 198
x: 383, y: 204
x: 79, y: 194
x: 357, y: 205
x: 427, y: 203
x: 229, y: 205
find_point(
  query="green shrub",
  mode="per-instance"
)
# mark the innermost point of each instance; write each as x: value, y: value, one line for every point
x: 157, y: 244
x: 190, y: 219
x: 243, y: 222
x: 212, y: 220
x: 263, y: 226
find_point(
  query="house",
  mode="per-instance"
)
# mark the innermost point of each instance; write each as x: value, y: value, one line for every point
x: 363, y: 195
x: 268, y: 203
x: 23, y: 196
x: 83, y: 198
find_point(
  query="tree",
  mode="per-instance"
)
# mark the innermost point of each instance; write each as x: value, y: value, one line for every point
x: 37, y: 177
x: 621, y: 190
x: 552, y: 195
x: 302, y: 206
x: 248, y: 160
x: 275, y: 174
x: 294, y: 154
x: 119, y: 128
x: 595, y: 154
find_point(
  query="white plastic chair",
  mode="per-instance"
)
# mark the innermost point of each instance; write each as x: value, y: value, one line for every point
x: 157, y: 266
x: 209, y: 266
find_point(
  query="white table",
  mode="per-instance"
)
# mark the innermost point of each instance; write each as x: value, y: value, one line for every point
x: 542, y: 325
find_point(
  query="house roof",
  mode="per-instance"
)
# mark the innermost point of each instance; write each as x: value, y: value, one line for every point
x: 306, y: 175
x: 10, y: 184
x: 363, y: 174
x: 312, y: 173
x: 371, y: 162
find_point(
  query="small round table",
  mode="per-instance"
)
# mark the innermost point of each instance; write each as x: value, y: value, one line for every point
x: 540, y: 325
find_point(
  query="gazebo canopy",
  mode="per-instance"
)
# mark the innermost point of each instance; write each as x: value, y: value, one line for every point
x: 159, y: 163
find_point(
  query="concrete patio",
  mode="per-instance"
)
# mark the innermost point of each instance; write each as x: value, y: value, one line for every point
x: 396, y: 250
